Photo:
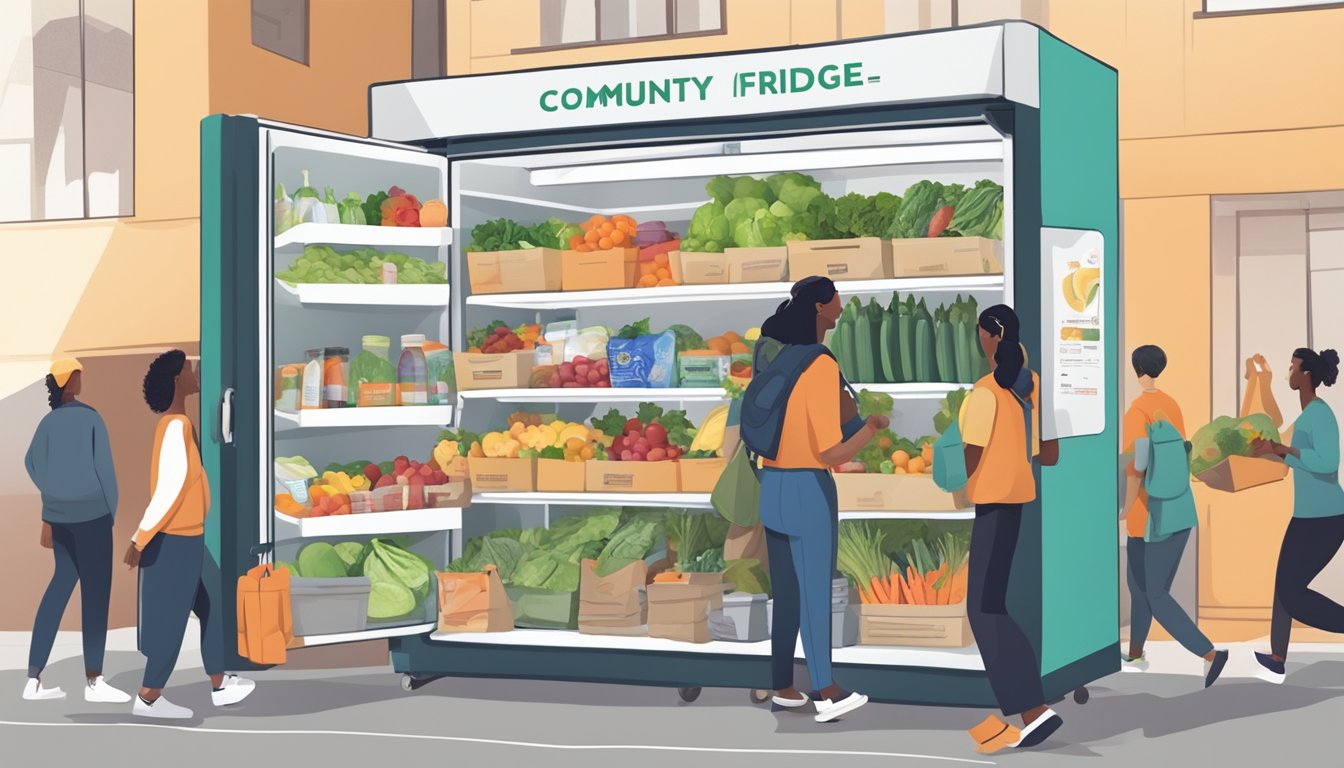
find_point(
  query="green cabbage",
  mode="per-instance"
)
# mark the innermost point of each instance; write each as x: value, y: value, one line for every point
x: 630, y: 543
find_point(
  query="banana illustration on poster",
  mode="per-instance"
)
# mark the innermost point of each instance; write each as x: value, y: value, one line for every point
x: 1073, y: 333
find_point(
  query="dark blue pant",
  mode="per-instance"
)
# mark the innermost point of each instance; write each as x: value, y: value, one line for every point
x: 83, y: 553
x: 799, y: 511
x: 1152, y: 570
x: 1309, y: 544
x: 171, y: 588
x: 1010, y: 662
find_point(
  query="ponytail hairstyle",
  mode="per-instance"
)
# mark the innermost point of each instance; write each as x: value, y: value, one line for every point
x: 55, y: 393
x: 795, y: 320
x: 1322, y: 367
x: 1000, y: 321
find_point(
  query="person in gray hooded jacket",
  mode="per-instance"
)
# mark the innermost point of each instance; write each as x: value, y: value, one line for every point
x: 70, y: 462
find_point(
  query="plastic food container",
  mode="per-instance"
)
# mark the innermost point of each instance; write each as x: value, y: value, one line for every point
x: 744, y: 618
x: 378, y: 345
x: 329, y: 606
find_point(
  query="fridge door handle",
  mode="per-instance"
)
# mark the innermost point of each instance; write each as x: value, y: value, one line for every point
x: 226, y: 416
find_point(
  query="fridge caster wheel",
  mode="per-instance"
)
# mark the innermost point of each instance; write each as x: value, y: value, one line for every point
x: 1081, y: 696
x: 688, y: 695
x: 411, y: 682
x: 760, y: 695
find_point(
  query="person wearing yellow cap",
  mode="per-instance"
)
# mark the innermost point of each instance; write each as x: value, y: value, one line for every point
x: 70, y: 462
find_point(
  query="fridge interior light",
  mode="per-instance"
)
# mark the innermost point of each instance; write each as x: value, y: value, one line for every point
x: 733, y: 165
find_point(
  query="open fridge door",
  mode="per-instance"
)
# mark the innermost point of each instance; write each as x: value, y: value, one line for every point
x: 295, y: 259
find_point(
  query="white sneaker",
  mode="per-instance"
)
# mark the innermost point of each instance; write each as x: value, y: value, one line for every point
x: 828, y: 710
x: 162, y: 709
x: 33, y: 690
x: 97, y: 691
x: 791, y: 703
x: 234, y: 690
x: 1133, y: 665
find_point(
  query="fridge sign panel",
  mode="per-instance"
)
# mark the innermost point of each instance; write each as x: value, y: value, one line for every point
x: 1073, y: 331
x: 963, y: 63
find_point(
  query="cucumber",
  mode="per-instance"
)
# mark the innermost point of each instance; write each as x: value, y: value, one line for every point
x: 924, y: 343
x: 962, y: 338
x: 945, y: 338
x: 906, y: 326
x: 875, y: 317
x: 864, y: 346
x: 889, y: 339
x: 845, y: 346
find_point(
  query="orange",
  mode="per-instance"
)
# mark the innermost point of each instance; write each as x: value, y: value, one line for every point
x: 916, y: 466
x: 900, y: 458
x: 731, y: 336
x: 660, y: 259
x: 738, y: 348
x: 618, y: 237
x: 648, y: 281
x: 604, y: 243
x: 719, y: 345
x: 664, y: 274
x: 666, y: 283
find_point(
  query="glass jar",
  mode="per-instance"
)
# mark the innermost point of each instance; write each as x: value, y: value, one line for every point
x: 335, y: 377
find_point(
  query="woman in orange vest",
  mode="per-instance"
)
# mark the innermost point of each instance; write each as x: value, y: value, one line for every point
x: 169, y: 548
x: 1000, y: 426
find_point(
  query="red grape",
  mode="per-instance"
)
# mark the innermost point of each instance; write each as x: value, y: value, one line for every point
x: 657, y: 454
x: 627, y: 455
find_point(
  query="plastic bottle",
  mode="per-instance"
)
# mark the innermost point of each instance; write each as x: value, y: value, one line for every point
x: 335, y: 375
x: 378, y: 345
x: 439, y: 364
x: 312, y: 381
x: 412, y: 371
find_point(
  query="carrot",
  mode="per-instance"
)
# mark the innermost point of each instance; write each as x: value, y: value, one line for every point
x: 881, y: 594
x: 930, y: 579
x: 959, y: 585
x: 916, y: 587
x: 863, y: 597
x: 893, y: 590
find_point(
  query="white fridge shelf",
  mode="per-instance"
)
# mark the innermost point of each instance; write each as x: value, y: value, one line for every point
x: 363, y: 235
x: 680, y: 395
x: 344, y: 294
x: 683, y: 294
x: 377, y: 633
x: 869, y: 655
x: 354, y: 418
x: 680, y: 500
x: 961, y: 514
x: 369, y: 523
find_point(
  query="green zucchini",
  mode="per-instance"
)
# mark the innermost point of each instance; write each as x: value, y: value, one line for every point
x: 875, y: 316
x: 924, y: 342
x: 906, y: 326
x: 889, y: 338
x: 945, y: 337
x: 864, y: 345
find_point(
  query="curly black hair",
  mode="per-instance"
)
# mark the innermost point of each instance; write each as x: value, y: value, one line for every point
x: 160, y: 381
x: 55, y: 393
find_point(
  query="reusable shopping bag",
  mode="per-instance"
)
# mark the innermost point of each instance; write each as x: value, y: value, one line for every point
x: 265, y: 624
x: 474, y: 602
x: 737, y: 495
x: 949, y: 460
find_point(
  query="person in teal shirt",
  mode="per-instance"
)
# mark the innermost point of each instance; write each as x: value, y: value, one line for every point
x: 1316, y: 530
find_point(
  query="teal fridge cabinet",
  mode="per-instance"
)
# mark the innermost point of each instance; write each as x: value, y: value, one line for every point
x: 1006, y: 102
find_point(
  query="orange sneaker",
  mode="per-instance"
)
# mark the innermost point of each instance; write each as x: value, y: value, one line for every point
x: 993, y: 734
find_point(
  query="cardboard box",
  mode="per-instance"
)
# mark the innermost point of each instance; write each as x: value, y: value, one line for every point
x: 560, y: 476
x: 511, y: 370
x: 756, y: 265
x: 694, y: 268
x: 871, y: 492
x: 701, y: 475
x: 858, y: 258
x: 1237, y: 473
x: 449, y: 495
x: 734, y: 265
x: 502, y: 474
x: 702, y: 370
x: 946, y: 256
x: 599, y: 270
x: 524, y: 271
x: 924, y: 626
x: 632, y: 476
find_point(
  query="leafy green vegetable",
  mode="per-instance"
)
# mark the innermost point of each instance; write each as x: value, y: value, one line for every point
x: 361, y: 266
x: 389, y: 600
x: 611, y: 425
x: 692, y: 533
x: 980, y: 211
x: 709, y: 561
x: 635, y: 330
x: 373, y: 208
x: 552, y: 233
x: 630, y: 543
x: 747, y: 576
x: 731, y: 389
x: 1224, y: 436
x: 918, y: 205
x: 545, y: 569
x: 687, y: 338
x: 948, y: 410
x: 502, y: 235
x: 709, y: 229
x: 320, y: 560
x: 875, y: 403
x: 721, y: 189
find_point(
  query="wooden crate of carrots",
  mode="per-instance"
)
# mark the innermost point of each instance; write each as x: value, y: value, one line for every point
x: 916, y: 599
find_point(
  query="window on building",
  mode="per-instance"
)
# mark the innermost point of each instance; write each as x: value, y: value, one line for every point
x: 1263, y: 6
x: 66, y: 65
x: 1290, y: 282
x: 281, y: 27
x: 567, y: 23
x: 428, y: 45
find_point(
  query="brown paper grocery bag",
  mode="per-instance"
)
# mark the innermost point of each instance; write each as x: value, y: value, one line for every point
x: 474, y: 602
x: 746, y: 544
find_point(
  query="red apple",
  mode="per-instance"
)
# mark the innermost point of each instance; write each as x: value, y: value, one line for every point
x: 656, y: 434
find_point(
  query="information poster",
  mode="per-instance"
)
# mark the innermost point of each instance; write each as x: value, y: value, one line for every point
x: 1073, y: 333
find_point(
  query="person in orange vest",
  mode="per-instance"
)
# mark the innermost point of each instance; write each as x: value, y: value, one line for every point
x: 169, y: 548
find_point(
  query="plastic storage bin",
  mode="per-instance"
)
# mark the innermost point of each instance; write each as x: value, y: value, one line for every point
x: 329, y: 606
x: 742, y: 619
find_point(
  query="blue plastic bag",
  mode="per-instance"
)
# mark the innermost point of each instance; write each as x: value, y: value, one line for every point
x: 648, y: 362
